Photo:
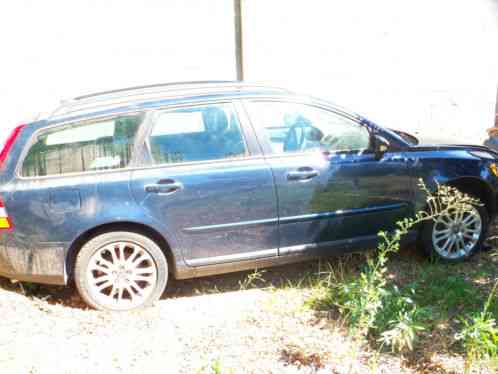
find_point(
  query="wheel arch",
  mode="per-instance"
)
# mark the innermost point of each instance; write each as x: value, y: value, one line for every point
x: 474, y: 186
x: 477, y: 188
x: 130, y: 226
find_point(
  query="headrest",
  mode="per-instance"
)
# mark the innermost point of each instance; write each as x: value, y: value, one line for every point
x: 215, y: 120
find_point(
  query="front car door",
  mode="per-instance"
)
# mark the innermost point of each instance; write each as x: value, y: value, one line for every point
x: 208, y: 185
x: 331, y: 189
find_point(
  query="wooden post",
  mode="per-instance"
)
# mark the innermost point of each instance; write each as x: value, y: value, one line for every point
x: 239, y: 55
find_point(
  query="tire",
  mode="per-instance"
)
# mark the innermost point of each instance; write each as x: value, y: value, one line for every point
x: 120, y: 271
x: 471, y: 228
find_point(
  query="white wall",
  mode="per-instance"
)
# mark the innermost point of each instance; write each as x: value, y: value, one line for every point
x: 50, y: 50
x: 429, y: 67
x: 424, y: 66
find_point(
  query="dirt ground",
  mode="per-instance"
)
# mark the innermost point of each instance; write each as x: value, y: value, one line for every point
x: 188, y: 333
x: 238, y: 322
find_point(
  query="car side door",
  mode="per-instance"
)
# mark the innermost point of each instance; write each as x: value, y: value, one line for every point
x: 331, y: 187
x: 208, y: 183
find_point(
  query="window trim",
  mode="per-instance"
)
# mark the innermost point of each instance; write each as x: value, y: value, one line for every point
x: 37, y: 133
x: 265, y: 142
x: 150, y: 126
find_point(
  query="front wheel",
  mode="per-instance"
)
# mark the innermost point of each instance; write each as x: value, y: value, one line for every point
x: 120, y: 271
x: 457, y: 235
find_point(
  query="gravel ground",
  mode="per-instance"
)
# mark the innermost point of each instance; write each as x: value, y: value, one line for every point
x: 260, y: 330
x: 246, y: 322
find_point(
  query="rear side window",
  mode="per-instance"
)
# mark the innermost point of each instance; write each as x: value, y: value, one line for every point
x: 100, y: 145
x: 202, y: 133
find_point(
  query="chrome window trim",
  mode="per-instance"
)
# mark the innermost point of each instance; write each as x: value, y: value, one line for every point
x: 265, y: 143
x: 34, y: 136
x: 146, y: 122
x: 236, y: 101
x: 305, y: 100
x: 248, y: 125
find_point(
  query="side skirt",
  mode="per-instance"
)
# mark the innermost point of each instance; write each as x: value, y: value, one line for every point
x: 287, y: 255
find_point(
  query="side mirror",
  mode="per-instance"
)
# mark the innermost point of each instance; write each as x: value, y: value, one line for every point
x: 381, y: 146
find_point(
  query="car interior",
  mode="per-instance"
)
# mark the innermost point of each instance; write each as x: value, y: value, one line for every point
x: 220, y: 138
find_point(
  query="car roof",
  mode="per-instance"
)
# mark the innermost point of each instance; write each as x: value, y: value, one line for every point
x: 142, y: 96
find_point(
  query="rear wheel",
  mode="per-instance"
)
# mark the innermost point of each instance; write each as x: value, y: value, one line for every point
x: 457, y: 235
x: 120, y: 271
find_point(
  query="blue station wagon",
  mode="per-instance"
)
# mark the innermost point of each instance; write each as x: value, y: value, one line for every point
x: 119, y: 191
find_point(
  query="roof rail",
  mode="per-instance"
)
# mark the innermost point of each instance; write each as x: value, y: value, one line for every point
x: 156, y: 85
x: 131, y: 95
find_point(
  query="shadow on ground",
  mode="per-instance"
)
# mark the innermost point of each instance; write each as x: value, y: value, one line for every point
x: 274, y: 277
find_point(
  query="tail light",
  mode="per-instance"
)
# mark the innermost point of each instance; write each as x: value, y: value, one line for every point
x: 5, y: 222
x: 9, y: 143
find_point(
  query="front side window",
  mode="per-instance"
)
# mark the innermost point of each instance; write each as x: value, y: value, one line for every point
x: 99, y: 145
x: 202, y: 133
x: 292, y: 127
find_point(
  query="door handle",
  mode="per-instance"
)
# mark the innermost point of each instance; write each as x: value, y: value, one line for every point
x: 302, y: 174
x: 163, y: 187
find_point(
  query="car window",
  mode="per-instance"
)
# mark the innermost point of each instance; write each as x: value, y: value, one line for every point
x: 199, y: 133
x: 292, y: 127
x: 99, y: 145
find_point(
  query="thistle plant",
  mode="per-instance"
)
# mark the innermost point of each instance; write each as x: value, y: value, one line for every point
x: 375, y: 307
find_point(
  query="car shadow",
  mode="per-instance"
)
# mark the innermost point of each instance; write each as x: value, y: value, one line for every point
x: 296, y: 275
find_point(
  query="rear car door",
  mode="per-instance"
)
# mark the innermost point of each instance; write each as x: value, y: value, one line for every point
x: 331, y: 189
x: 208, y: 184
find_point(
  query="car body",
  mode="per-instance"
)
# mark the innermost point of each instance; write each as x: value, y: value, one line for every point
x: 221, y: 176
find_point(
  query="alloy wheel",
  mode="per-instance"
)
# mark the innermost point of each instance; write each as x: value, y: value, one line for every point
x: 455, y: 234
x: 121, y: 275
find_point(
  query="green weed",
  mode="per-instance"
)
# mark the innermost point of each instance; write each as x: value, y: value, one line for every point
x: 370, y: 303
x: 215, y: 367
x: 252, y: 279
x: 480, y: 335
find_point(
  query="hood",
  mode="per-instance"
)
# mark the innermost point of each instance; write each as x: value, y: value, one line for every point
x: 454, y: 147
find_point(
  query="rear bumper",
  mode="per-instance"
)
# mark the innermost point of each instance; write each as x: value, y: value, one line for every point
x: 43, y: 264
